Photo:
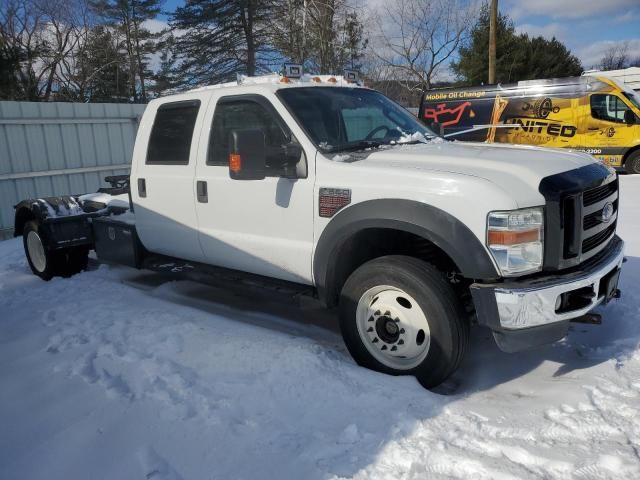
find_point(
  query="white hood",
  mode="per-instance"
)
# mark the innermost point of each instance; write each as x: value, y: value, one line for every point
x: 516, y: 169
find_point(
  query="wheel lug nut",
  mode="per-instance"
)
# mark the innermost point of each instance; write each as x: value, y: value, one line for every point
x: 387, y: 313
x: 400, y: 342
x: 377, y: 313
x: 402, y: 330
x: 397, y: 320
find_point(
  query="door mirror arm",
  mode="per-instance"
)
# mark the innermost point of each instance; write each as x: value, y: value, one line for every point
x: 292, y: 153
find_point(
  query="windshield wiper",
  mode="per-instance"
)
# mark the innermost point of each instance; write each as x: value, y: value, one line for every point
x: 360, y: 145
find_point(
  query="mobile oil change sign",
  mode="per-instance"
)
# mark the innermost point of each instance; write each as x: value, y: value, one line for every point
x: 580, y: 113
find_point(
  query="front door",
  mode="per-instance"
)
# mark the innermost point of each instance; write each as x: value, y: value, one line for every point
x: 258, y: 226
x: 607, y: 136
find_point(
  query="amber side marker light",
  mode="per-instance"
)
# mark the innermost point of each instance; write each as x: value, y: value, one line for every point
x: 235, y: 163
x: 503, y: 237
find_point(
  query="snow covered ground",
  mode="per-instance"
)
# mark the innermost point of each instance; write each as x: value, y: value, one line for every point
x: 101, y: 378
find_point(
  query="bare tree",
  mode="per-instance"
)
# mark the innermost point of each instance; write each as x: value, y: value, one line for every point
x: 416, y: 38
x: 61, y: 38
x: 324, y: 35
x: 616, y: 57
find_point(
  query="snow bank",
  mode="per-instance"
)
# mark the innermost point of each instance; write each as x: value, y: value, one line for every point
x: 104, y: 380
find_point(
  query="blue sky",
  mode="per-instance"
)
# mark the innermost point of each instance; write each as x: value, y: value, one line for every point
x: 587, y: 27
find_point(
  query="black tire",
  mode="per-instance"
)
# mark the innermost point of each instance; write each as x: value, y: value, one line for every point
x: 76, y: 260
x: 632, y: 164
x: 446, y: 318
x: 63, y: 263
x: 52, y: 259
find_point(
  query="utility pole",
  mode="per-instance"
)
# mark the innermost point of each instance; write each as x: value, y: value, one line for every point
x: 493, y: 21
x: 304, y: 34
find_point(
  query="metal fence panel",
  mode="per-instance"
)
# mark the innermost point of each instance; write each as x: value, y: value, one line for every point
x: 61, y: 148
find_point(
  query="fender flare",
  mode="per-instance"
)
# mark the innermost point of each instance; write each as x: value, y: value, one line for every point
x: 431, y: 223
x: 26, y: 210
x: 62, y: 221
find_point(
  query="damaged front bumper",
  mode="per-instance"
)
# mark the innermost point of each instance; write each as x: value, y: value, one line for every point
x: 536, y: 311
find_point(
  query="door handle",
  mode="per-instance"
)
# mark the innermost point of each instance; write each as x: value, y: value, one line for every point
x: 142, y: 188
x: 201, y: 191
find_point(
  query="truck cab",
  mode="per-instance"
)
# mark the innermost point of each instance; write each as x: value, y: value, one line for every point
x: 320, y: 183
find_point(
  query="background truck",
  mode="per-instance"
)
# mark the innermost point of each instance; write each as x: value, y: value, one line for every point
x: 333, y: 190
x: 594, y: 114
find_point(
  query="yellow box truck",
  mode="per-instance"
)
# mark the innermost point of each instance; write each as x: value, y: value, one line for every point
x: 590, y: 113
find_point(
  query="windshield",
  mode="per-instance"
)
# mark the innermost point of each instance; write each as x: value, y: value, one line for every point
x: 340, y: 119
x: 633, y: 98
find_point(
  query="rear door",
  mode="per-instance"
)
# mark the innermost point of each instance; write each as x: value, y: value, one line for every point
x: 258, y: 226
x: 162, y: 178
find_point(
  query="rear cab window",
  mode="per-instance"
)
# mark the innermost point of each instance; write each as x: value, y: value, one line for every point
x: 172, y: 132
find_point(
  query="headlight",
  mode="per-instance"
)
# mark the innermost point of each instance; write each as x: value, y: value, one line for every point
x: 515, y: 239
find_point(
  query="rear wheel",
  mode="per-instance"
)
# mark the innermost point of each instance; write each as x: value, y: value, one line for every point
x: 632, y: 164
x: 400, y: 316
x: 47, y: 263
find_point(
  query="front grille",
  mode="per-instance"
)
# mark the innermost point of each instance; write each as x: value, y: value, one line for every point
x: 594, y: 195
x: 575, y: 230
x: 596, y: 231
x: 598, y: 239
x: 594, y: 219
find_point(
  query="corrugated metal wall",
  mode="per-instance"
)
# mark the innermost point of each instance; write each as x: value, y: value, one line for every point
x: 61, y: 148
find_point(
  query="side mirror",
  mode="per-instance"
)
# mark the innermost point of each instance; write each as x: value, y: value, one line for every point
x: 629, y: 117
x: 247, y: 155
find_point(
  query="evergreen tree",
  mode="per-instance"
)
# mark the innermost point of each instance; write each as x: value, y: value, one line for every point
x: 10, y: 57
x: 127, y: 16
x: 221, y: 38
x: 102, y: 72
x: 165, y: 78
x: 518, y: 57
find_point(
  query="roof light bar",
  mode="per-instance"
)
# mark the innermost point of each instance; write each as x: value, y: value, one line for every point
x: 292, y: 70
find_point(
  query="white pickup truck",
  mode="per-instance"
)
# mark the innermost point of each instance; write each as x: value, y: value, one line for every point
x: 319, y: 184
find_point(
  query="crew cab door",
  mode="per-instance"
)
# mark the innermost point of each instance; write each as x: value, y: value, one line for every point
x: 258, y: 226
x: 163, y: 170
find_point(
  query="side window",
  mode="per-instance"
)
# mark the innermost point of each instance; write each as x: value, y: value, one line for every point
x: 247, y: 114
x: 170, y: 139
x: 608, y: 107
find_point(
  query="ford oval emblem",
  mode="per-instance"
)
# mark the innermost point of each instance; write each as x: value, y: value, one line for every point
x: 607, y: 212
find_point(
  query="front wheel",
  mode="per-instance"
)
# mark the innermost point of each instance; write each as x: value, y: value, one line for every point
x: 632, y: 164
x: 400, y: 316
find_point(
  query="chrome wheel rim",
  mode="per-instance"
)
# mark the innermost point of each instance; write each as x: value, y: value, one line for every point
x: 36, y: 251
x: 393, y: 327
